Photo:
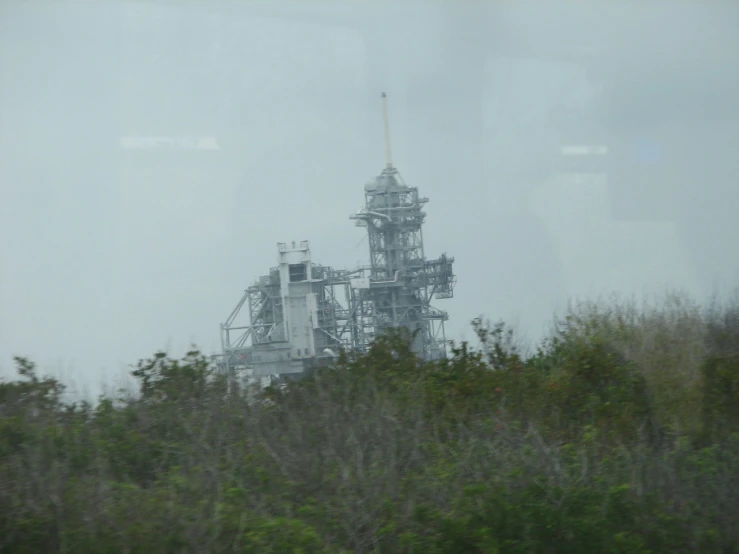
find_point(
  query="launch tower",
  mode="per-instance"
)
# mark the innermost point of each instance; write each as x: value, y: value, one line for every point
x: 402, y: 281
x: 302, y: 314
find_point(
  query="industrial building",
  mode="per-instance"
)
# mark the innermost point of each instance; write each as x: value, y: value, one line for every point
x: 301, y: 315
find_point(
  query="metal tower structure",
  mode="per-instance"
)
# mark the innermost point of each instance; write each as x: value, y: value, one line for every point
x: 301, y: 314
x: 297, y: 317
x: 402, y: 282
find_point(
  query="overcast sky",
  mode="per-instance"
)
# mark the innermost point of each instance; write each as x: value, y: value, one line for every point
x: 109, y: 254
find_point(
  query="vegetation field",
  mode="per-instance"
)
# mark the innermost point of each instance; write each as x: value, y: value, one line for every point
x: 619, y: 433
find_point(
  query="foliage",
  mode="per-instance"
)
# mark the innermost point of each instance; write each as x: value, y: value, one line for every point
x: 721, y: 395
x: 578, y: 446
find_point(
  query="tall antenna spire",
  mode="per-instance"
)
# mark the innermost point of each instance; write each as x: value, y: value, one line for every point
x: 386, y: 119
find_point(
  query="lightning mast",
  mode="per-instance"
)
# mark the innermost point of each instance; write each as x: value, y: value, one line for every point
x: 386, y: 122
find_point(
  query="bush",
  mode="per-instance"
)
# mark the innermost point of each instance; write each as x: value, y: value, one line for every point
x: 721, y: 396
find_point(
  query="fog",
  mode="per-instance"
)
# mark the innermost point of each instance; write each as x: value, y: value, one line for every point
x: 109, y: 252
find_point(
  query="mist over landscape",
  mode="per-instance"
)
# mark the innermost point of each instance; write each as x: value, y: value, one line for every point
x: 110, y: 253
x: 580, y: 162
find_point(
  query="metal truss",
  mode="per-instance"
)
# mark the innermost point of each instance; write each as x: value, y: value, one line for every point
x: 349, y: 310
x: 403, y: 282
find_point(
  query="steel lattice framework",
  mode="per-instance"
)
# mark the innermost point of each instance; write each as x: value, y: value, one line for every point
x: 402, y: 282
x: 301, y: 314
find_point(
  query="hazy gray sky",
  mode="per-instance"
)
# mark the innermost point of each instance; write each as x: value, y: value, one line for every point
x: 107, y: 254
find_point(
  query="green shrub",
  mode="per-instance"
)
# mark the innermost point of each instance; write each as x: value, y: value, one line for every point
x: 721, y: 396
x: 595, y: 385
